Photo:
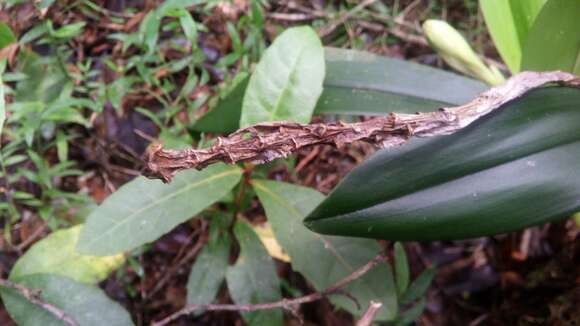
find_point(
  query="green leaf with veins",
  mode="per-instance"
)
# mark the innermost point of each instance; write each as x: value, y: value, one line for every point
x: 209, y: 269
x: 287, y: 81
x: 56, y: 254
x: 87, y: 305
x: 324, y: 260
x: 253, y: 278
x: 143, y: 210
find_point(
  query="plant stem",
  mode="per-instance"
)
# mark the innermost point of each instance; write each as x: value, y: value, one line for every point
x: 265, y: 142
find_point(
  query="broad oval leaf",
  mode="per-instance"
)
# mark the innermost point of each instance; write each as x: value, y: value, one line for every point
x: 143, y: 210
x: 56, y: 254
x: 509, y: 22
x: 87, y: 305
x: 514, y: 168
x: 553, y: 42
x: 253, y: 278
x: 362, y: 83
x: 287, y: 81
x: 324, y: 260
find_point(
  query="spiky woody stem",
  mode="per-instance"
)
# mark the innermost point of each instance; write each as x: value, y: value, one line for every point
x: 265, y: 142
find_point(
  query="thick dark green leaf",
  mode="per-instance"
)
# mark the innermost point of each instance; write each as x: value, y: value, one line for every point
x: 209, y: 270
x: 362, y: 83
x: 143, y: 210
x: 553, y: 42
x: 56, y: 254
x: 253, y: 278
x: 288, y: 80
x: 348, y: 69
x: 509, y: 22
x: 358, y: 101
x: 514, y: 168
x: 324, y: 260
x: 85, y: 304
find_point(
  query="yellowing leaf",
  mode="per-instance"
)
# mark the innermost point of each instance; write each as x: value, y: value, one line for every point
x: 266, y: 235
x: 56, y: 254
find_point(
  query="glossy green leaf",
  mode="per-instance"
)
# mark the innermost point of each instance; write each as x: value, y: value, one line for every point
x: 6, y: 35
x: 143, y: 210
x: 350, y: 69
x: 56, y: 254
x: 514, y: 168
x: 401, y: 268
x: 324, y: 260
x: 85, y: 304
x: 287, y: 81
x: 253, y: 278
x: 509, y: 22
x: 209, y: 270
x: 553, y: 42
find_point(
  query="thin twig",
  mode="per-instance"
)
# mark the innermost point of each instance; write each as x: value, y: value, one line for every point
x: 369, y: 315
x: 408, y: 37
x: 33, y: 296
x: 31, y: 239
x: 170, y: 273
x: 326, y: 30
x: 265, y: 142
x: 286, y: 304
